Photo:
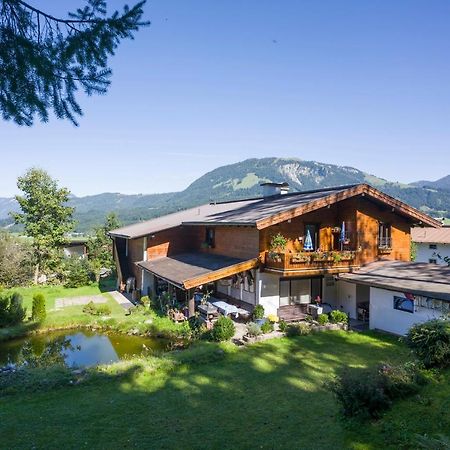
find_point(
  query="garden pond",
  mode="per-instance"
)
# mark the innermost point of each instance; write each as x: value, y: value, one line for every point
x: 77, y: 348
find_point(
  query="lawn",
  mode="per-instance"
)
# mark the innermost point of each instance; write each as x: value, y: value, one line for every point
x: 53, y: 292
x: 73, y: 316
x: 269, y: 395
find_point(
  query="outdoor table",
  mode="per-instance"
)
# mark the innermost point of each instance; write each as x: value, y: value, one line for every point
x: 225, y: 308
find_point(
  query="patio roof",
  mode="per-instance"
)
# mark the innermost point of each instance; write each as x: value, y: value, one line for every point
x: 190, y: 270
x: 428, y: 280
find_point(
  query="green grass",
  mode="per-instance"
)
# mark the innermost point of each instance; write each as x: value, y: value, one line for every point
x: 53, y: 292
x: 73, y: 316
x: 269, y: 395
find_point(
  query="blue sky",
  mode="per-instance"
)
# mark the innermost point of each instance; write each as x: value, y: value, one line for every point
x: 359, y: 83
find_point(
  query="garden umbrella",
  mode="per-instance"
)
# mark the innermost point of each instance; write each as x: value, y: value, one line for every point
x: 342, y: 236
x: 308, y: 242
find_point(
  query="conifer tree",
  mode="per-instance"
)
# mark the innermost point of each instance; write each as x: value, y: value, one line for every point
x: 44, y: 59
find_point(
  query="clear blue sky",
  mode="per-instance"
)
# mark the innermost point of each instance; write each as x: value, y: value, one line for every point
x: 360, y: 83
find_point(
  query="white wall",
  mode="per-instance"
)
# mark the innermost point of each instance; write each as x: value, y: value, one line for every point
x: 268, y: 292
x: 148, y: 281
x: 330, y: 291
x: 383, y: 316
x: 425, y: 253
x: 238, y: 293
x: 346, y: 298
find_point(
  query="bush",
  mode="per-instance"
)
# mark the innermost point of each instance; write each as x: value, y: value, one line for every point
x: 17, y: 312
x: 322, y: 319
x: 430, y: 341
x: 11, y: 310
x: 282, y: 325
x: 273, y: 318
x: 299, y: 329
x: 38, y: 311
x: 258, y: 312
x: 223, y: 329
x: 97, y: 310
x: 337, y: 316
x: 77, y: 272
x: 267, y: 327
x: 253, y: 329
x: 367, y: 393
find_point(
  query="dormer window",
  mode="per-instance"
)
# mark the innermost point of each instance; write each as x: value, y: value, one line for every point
x: 384, y: 236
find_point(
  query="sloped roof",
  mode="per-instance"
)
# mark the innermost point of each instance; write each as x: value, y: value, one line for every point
x: 193, y: 269
x: 429, y: 280
x: 264, y: 212
x: 431, y: 235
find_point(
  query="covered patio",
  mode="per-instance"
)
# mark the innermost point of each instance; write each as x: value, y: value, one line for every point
x: 191, y: 279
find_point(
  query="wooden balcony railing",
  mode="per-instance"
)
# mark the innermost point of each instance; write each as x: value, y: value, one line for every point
x: 309, y: 260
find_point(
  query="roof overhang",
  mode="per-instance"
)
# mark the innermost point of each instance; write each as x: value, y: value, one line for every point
x: 353, y: 191
x: 428, y: 280
x: 190, y: 270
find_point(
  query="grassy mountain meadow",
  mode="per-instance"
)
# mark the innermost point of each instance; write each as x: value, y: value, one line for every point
x: 241, y: 180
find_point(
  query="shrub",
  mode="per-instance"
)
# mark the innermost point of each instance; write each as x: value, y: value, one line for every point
x: 337, y: 316
x: 367, y: 393
x: 400, y: 381
x: 38, y: 311
x: 267, y: 327
x: 223, y: 329
x: 97, y: 310
x: 258, y: 312
x: 11, y: 310
x: 273, y: 318
x: 77, y: 272
x: 282, y: 325
x: 17, y: 312
x: 299, y: 329
x: 322, y: 319
x: 430, y: 341
x: 253, y: 329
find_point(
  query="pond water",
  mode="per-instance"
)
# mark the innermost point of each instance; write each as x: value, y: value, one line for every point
x: 77, y: 348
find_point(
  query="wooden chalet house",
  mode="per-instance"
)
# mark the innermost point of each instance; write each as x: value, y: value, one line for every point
x: 282, y: 250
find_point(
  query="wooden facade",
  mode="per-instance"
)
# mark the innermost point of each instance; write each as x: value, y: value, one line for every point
x: 361, y: 213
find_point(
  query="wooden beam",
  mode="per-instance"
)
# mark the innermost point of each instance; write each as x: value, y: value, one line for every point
x: 221, y: 273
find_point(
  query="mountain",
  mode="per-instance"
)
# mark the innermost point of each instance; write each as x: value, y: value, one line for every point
x: 241, y: 180
x: 442, y: 183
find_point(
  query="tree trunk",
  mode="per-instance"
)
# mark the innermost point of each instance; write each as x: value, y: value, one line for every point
x: 36, y: 273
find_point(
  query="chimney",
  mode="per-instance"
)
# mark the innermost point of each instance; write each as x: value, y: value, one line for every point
x: 270, y: 189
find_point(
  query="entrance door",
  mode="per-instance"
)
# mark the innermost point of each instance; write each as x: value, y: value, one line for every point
x: 316, y: 288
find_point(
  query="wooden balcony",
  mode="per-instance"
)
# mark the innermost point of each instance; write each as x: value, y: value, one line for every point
x: 314, y: 263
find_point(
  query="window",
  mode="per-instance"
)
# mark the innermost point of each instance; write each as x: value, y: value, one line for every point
x: 210, y: 237
x: 432, y: 246
x: 432, y: 261
x: 384, y: 235
x: 313, y: 232
x: 404, y: 304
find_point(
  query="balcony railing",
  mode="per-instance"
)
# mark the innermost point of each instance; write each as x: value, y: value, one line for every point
x: 309, y: 260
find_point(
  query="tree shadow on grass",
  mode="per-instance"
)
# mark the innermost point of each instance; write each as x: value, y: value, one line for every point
x: 269, y: 395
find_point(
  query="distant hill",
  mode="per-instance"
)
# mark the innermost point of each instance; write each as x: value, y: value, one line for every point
x: 241, y: 180
x: 442, y: 183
